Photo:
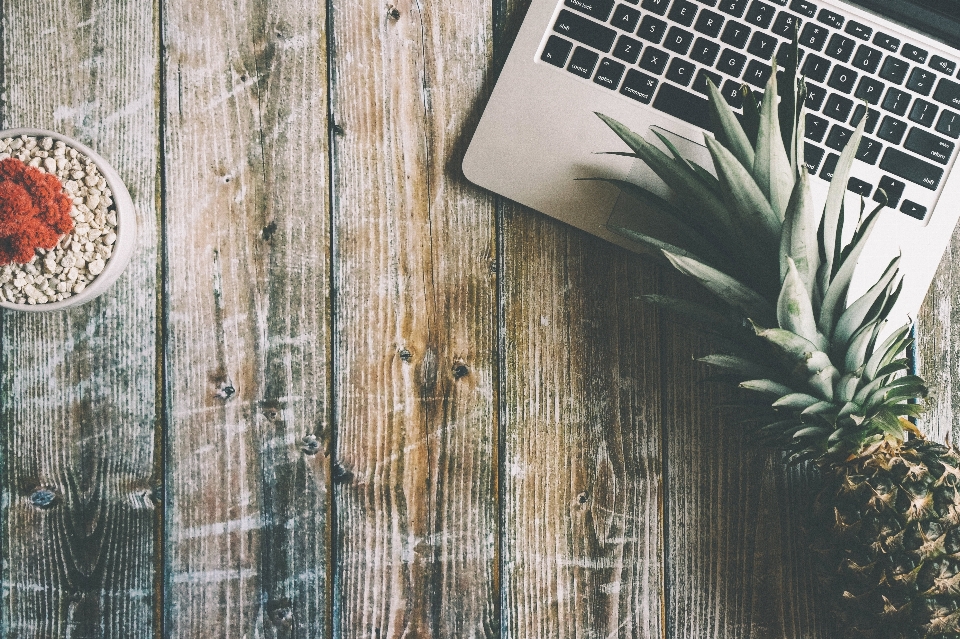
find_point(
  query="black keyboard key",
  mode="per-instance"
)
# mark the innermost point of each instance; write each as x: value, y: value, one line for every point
x: 683, y: 12
x: 911, y: 52
x: 813, y: 36
x: 923, y: 112
x: 680, y: 71
x: 911, y: 168
x: 859, y: 187
x: 709, y: 23
x: 556, y: 51
x: 948, y: 92
x: 678, y: 40
x: 943, y: 65
x: 930, y: 146
x: 894, y: 70
x: 599, y: 9
x: 705, y: 51
x: 873, y: 117
x: 893, y: 189
x: 625, y: 18
x: 815, y: 68
x: 709, y: 3
x: 867, y: 59
x: 842, y: 79
x: 812, y: 157
x: 887, y: 42
x: 627, y: 49
x: 949, y: 124
x: 921, y: 81
x: 838, y: 138
x: 815, y: 97
x: 785, y: 54
x: 913, y: 209
x: 734, y: 8
x: 869, y: 90
x: 760, y: 14
x: 700, y: 83
x: 732, y: 94
x: 896, y: 101
x: 582, y: 62
x: 829, y: 166
x: 757, y: 74
x: 656, y: 6
x: 609, y: 74
x: 838, y: 107
x: 654, y: 60
x: 858, y: 30
x: 735, y: 34
x: 815, y: 128
x: 840, y: 47
x: 633, y: 1
x: 869, y: 151
x: 652, y: 29
x: 731, y: 62
x: 585, y: 31
x: 785, y: 25
x: 687, y: 106
x: 639, y: 86
x: 891, y: 130
x: 762, y: 45
x: 804, y: 7
x: 835, y: 20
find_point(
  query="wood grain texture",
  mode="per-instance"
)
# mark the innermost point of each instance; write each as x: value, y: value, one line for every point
x: 738, y: 562
x: 78, y: 387
x: 248, y: 321
x: 414, y: 273
x: 938, y: 348
x: 582, y: 498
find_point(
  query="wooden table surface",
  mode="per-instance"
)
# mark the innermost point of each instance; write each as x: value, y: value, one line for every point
x: 342, y: 392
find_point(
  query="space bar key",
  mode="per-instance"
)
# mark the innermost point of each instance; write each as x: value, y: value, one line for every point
x: 684, y: 105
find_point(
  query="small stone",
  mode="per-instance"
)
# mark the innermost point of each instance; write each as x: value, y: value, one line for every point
x: 78, y: 288
x: 50, y: 165
x: 96, y: 266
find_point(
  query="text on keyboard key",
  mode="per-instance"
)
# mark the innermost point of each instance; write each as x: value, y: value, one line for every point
x: 762, y: 45
x: 687, y: 106
x: 842, y: 79
x: 556, y: 51
x: 915, y: 53
x: 709, y: 23
x: 948, y: 92
x: 869, y: 90
x: 733, y: 7
x: 639, y: 86
x: 813, y: 36
x: 582, y: 62
x: 585, y: 31
x: 757, y: 74
x: 680, y: 71
x: 891, y: 130
x: 815, y: 68
x: 923, y: 112
x: 804, y: 7
x: 838, y: 107
x: 652, y: 29
x: 840, y: 47
x: 929, y: 145
x: 656, y: 6
x: 896, y: 101
x: 735, y: 34
x: 829, y: 166
x: 839, y: 137
x: 599, y: 9
x: 867, y: 59
x: 887, y: 42
x: 812, y: 157
x: 949, y: 124
x: 815, y: 97
x: 627, y: 49
x: 678, y: 40
x: 815, y: 128
x: 760, y: 14
x: 858, y: 30
x: 732, y: 94
x: 913, y: 209
x: 921, y: 81
x: 892, y: 189
x: 731, y: 62
x: 869, y: 151
x: 609, y: 73
x: 911, y: 168
x: 700, y: 82
x: 859, y: 187
x: 625, y: 18
x: 705, y: 51
x: 683, y: 12
x: 943, y: 65
x: 654, y: 60
x: 785, y: 24
x: 894, y: 70
x: 835, y: 20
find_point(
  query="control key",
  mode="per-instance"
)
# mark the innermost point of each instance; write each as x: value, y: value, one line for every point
x: 910, y: 168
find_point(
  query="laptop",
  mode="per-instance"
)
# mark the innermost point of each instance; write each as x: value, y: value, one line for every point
x: 645, y: 63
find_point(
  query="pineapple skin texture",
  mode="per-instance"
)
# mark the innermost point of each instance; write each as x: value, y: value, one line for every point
x: 886, y: 535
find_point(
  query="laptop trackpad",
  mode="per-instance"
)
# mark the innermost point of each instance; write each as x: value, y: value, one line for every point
x: 628, y: 212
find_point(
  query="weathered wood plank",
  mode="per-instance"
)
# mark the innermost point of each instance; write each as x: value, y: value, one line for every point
x: 583, y: 543
x: 414, y: 274
x: 77, y: 388
x: 738, y: 561
x: 248, y: 322
x: 938, y: 348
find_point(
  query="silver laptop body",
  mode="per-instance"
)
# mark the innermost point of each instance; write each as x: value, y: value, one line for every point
x: 538, y: 133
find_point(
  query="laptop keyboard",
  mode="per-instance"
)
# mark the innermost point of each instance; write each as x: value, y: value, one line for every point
x: 661, y: 52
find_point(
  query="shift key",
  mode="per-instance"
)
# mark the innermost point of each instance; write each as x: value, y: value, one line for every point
x: 910, y: 168
x: 585, y: 31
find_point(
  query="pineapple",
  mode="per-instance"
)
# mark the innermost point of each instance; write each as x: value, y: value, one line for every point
x: 886, y: 527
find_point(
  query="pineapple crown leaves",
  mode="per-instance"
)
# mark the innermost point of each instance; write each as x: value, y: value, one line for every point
x: 780, y: 271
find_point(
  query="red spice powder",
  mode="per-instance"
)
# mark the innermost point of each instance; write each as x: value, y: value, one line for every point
x: 34, y: 212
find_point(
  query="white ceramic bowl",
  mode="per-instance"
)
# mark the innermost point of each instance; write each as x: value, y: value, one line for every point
x: 126, y: 227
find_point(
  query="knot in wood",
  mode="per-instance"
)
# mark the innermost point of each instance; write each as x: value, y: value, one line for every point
x: 226, y: 390
x: 341, y: 475
x: 405, y: 355
x: 43, y: 498
x: 583, y: 498
x: 460, y: 370
x: 280, y: 612
x: 310, y: 445
x: 392, y: 12
x: 268, y: 231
